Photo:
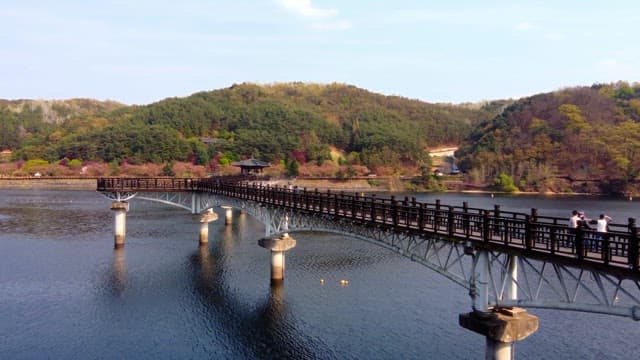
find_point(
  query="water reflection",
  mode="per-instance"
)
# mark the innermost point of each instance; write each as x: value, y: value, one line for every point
x: 265, y: 330
x: 117, y: 282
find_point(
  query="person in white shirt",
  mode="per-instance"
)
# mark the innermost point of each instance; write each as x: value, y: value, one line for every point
x: 603, y: 223
x: 573, y: 220
x: 602, y: 226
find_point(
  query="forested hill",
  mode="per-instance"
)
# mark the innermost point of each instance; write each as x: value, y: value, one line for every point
x: 291, y: 122
x: 584, y: 139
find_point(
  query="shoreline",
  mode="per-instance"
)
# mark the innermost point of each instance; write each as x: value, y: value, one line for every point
x: 356, y: 185
x: 57, y: 183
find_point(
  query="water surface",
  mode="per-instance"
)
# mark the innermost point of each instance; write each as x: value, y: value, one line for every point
x: 66, y: 294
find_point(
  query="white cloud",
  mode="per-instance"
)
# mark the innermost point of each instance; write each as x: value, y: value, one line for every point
x: 524, y: 26
x: 321, y: 19
x: 306, y: 9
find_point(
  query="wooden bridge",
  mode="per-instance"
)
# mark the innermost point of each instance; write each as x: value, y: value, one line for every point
x: 532, y: 235
x: 505, y: 260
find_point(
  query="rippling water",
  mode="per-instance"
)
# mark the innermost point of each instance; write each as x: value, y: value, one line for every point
x: 66, y: 294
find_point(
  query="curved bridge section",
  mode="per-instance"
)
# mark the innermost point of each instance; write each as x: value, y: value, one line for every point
x: 502, y: 258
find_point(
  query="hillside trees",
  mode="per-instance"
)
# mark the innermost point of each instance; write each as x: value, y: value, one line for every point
x: 580, y: 134
x: 272, y: 122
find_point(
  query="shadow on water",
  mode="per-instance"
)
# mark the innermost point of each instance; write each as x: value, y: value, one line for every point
x: 266, y: 330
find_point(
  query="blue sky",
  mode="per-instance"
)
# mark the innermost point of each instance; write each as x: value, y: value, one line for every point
x: 138, y: 52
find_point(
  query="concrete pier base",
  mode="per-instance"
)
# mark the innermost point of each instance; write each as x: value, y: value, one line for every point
x: 278, y: 246
x: 228, y: 215
x: 501, y: 327
x: 205, y: 219
x: 120, y: 209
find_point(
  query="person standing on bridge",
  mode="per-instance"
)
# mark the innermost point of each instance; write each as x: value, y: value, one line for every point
x: 584, y: 221
x: 603, y: 223
x: 602, y: 227
x: 574, y: 220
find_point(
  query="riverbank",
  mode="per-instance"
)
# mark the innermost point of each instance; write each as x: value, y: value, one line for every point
x: 381, y: 184
x: 25, y: 183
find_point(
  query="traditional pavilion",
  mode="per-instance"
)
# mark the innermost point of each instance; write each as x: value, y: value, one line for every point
x: 251, y: 166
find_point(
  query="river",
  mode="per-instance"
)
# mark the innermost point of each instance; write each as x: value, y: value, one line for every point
x: 66, y: 294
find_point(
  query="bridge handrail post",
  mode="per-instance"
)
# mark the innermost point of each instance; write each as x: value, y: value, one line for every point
x: 265, y: 190
x: 485, y: 226
x: 553, y: 239
x: 606, y: 253
x: 421, y: 212
x: 394, y: 211
x: 385, y: 211
x: 496, y: 216
x: 465, y: 219
x: 373, y: 207
x: 355, y: 203
x: 528, y: 229
x: 579, y: 242
x: 293, y: 196
x: 633, y: 244
x: 405, y: 213
x: 450, y: 222
x: 412, y: 214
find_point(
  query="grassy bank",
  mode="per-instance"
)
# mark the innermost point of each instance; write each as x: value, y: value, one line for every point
x: 18, y: 183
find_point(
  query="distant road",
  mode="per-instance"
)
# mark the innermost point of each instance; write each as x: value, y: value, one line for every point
x: 443, y: 151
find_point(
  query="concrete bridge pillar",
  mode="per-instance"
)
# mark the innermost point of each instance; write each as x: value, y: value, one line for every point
x: 500, y: 326
x: 120, y: 209
x: 228, y: 215
x: 278, y: 246
x: 205, y: 219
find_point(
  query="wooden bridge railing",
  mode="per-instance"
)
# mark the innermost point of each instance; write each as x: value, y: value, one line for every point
x: 534, y: 235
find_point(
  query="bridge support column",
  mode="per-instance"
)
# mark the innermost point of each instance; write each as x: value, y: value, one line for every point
x: 501, y: 327
x: 120, y: 224
x: 205, y: 219
x: 277, y: 246
x: 228, y: 215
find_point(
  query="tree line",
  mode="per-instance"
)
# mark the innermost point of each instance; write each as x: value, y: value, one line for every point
x: 584, y: 139
x: 283, y: 122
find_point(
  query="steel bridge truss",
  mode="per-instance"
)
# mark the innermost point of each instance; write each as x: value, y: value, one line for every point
x: 488, y: 275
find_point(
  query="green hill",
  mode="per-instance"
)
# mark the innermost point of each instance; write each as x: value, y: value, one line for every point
x: 290, y: 122
x: 584, y: 139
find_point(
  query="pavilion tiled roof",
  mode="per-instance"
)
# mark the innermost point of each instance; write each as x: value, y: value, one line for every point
x: 251, y: 163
